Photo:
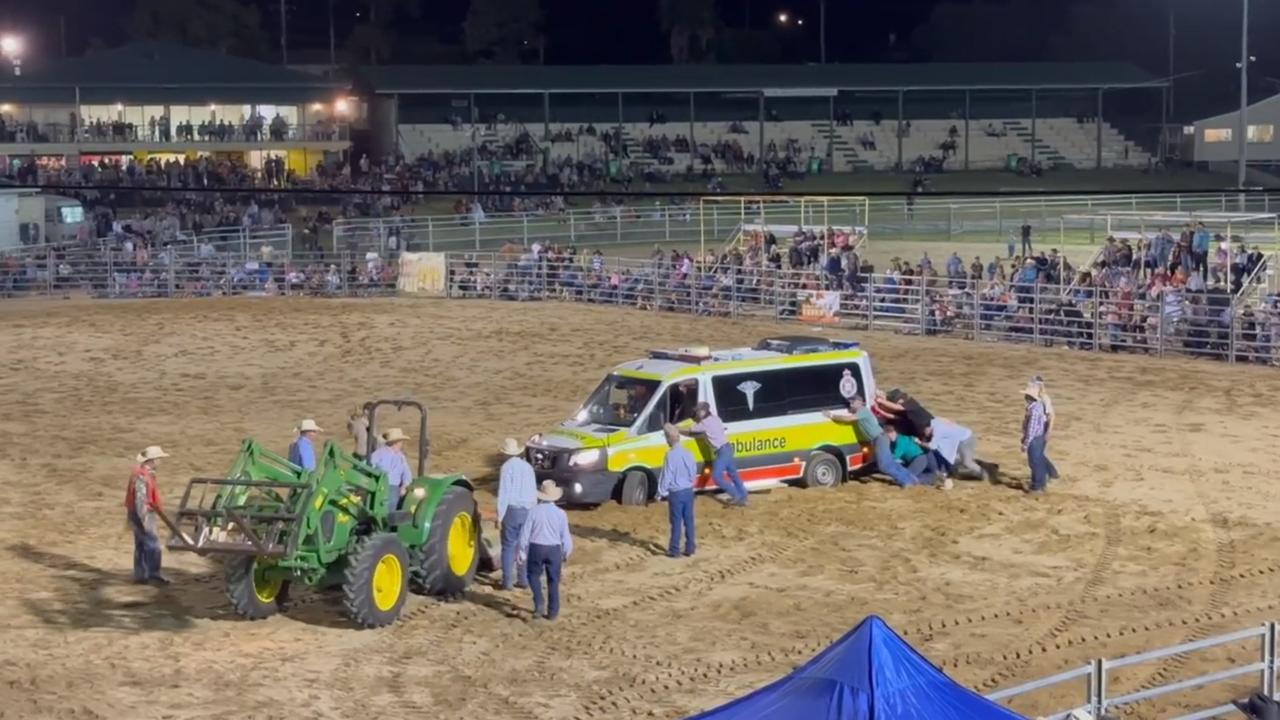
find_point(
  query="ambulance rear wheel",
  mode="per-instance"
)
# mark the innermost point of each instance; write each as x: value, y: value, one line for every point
x: 822, y: 471
x: 634, y: 489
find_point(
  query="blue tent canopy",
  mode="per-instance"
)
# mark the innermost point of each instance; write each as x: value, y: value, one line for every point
x: 869, y: 674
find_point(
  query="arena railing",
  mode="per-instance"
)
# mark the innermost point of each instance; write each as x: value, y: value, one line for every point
x: 688, y: 223
x: 170, y: 274
x: 1099, y: 319
x: 1101, y: 673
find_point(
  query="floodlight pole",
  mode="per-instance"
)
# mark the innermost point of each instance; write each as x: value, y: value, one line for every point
x: 1242, y: 142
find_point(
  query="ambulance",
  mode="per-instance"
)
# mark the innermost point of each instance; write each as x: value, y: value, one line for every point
x: 771, y: 398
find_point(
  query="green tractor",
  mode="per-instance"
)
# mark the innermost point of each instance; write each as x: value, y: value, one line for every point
x: 274, y: 524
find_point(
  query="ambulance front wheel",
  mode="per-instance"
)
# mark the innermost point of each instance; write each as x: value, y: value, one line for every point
x: 634, y: 489
x: 823, y: 471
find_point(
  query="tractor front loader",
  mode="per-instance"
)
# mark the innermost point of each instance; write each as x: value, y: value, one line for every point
x: 274, y: 523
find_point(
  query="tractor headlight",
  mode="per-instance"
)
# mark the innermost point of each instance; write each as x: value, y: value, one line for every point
x: 586, y: 458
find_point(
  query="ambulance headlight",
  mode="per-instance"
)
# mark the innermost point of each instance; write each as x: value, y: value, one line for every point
x: 586, y: 458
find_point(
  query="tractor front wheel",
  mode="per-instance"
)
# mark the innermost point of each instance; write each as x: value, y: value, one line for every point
x: 449, y: 557
x: 254, y: 595
x: 376, y: 580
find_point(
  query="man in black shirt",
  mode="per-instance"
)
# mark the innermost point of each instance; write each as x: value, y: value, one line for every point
x: 906, y: 413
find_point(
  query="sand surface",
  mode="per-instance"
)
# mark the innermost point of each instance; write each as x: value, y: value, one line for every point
x: 1158, y: 533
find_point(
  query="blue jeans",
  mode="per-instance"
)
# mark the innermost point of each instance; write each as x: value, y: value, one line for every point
x: 924, y: 467
x: 146, y: 549
x: 545, y: 560
x: 724, y: 465
x: 680, y: 512
x: 1038, y: 462
x: 888, y: 465
x: 512, y: 522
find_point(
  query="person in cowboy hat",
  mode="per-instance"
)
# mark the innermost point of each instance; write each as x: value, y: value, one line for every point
x: 391, y: 460
x: 1034, y: 425
x: 517, y: 494
x: 303, y: 450
x: 358, y: 426
x: 141, y: 502
x: 545, y: 544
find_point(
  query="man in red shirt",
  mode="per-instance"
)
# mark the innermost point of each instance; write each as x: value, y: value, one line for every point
x: 141, y: 501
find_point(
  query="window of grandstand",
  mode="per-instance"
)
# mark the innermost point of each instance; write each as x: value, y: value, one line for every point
x: 1261, y: 133
x: 1217, y: 135
x: 1188, y: 129
x: 70, y: 214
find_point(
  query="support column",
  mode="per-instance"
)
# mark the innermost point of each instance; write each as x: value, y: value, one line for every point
x: 1098, y: 127
x: 760, y: 156
x: 693, y: 144
x: 1162, y: 147
x: 901, y: 97
x: 1033, y: 125
x: 966, y: 129
x: 831, y: 133
x: 546, y: 131
x: 621, y: 143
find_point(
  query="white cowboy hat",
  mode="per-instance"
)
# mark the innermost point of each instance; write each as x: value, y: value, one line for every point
x: 512, y: 447
x: 308, y: 425
x: 549, y: 491
x: 394, y: 435
x: 151, y: 453
x: 1033, y: 390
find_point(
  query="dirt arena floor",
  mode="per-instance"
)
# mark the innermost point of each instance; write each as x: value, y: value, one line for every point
x: 1159, y: 532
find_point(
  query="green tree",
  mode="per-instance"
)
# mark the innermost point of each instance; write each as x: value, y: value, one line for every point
x: 375, y: 38
x: 229, y: 26
x: 691, y: 28
x: 503, y: 31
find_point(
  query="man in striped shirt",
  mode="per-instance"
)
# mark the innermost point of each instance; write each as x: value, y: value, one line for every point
x: 1034, y: 423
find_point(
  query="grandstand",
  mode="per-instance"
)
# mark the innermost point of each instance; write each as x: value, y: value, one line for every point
x: 851, y: 118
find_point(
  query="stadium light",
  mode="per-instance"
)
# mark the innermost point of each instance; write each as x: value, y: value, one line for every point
x: 341, y: 106
x: 783, y: 18
x: 11, y: 47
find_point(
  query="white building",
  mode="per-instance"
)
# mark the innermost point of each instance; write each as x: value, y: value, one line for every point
x: 1213, y: 140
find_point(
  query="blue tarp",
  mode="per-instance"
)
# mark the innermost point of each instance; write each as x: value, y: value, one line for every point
x: 869, y: 674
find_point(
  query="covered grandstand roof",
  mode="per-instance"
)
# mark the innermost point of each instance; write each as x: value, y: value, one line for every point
x: 165, y: 72
x: 407, y: 79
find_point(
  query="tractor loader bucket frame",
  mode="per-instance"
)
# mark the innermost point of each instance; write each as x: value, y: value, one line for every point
x: 371, y: 410
x: 265, y: 533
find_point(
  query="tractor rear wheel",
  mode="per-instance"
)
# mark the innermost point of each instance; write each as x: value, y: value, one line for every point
x: 376, y: 581
x: 449, y: 557
x: 253, y: 595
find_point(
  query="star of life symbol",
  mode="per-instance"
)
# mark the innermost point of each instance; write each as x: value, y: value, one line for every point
x: 749, y: 388
x: 848, y: 386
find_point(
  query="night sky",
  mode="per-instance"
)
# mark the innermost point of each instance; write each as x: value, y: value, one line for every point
x: 629, y: 31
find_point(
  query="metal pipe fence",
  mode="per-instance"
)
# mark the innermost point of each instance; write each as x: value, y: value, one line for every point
x: 1099, y: 674
x: 919, y: 218
x: 1168, y: 322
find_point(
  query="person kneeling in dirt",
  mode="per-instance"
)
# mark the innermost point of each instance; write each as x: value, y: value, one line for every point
x: 957, y: 449
x: 870, y: 433
x: 918, y: 461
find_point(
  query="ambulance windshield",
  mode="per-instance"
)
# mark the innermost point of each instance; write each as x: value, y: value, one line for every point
x: 617, y: 402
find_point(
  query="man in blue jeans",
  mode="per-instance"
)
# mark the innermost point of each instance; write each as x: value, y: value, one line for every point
x: 676, y: 485
x: 517, y: 494
x: 870, y: 433
x: 724, y: 471
x: 545, y: 543
x: 1034, y: 423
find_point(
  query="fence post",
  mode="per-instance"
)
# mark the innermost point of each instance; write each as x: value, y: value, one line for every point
x: 666, y: 224
x: 924, y: 294
x: 1097, y: 311
x: 1269, y: 657
x: 1035, y: 314
x: 493, y: 268
x: 1098, y: 689
x: 871, y: 302
x: 573, y: 233
x: 475, y: 223
x: 733, y: 291
x: 1231, y: 334
x: 111, y: 275
x: 1160, y: 327
x: 170, y: 273
x: 977, y: 313
x: 431, y: 236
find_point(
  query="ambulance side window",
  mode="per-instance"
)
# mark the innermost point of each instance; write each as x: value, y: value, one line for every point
x: 751, y: 395
x: 675, y: 405
x: 819, y: 387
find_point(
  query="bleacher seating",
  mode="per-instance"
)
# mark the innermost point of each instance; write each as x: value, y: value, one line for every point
x: 1059, y: 141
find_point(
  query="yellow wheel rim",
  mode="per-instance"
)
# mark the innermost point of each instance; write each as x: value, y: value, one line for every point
x: 388, y: 580
x: 264, y: 588
x: 461, y: 544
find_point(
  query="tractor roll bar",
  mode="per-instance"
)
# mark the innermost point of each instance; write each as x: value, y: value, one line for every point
x: 371, y: 410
